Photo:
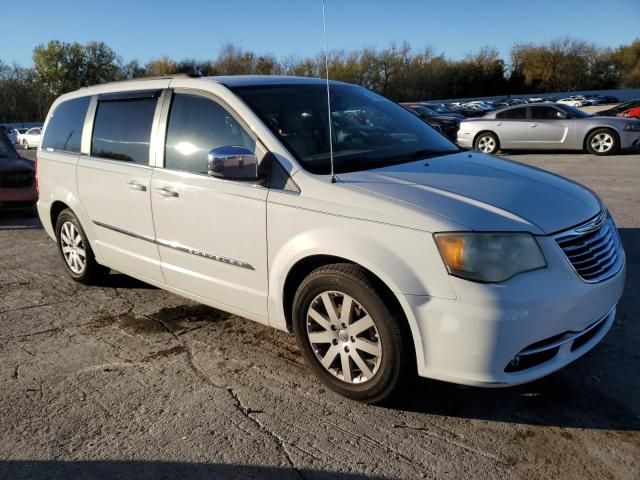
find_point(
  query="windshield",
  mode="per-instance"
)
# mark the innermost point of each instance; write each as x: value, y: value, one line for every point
x: 6, y: 149
x: 368, y: 130
x: 573, y: 112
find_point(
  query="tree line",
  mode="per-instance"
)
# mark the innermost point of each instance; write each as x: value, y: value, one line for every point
x: 397, y: 71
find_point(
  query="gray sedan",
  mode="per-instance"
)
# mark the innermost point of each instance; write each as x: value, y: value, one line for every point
x: 548, y: 127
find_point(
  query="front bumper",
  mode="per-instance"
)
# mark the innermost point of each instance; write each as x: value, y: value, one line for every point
x: 630, y: 140
x: 496, y: 335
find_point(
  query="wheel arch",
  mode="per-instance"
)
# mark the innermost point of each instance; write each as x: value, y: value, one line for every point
x: 600, y: 127
x: 56, y: 209
x: 302, y: 267
x: 486, y: 130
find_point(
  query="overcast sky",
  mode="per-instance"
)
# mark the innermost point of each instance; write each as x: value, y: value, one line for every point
x: 144, y: 29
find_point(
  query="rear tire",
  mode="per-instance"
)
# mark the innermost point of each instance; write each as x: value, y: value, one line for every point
x: 364, y: 361
x: 487, y: 142
x: 76, y: 251
x: 602, y: 141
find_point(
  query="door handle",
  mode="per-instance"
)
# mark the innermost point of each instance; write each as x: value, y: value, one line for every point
x: 166, y: 192
x: 534, y: 124
x: 133, y: 185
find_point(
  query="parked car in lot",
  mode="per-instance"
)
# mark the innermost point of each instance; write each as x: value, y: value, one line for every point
x: 549, y: 126
x: 443, y: 109
x: 31, y: 138
x: 19, y: 133
x: 445, y: 124
x: 17, y: 179
x: 631, y: 113
x: 573, y: 102
x: 388, y: 251
x: 10, y: 132
x: 613, y: 111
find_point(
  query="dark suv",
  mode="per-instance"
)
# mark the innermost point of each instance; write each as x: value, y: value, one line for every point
x: 17, y: 179
x: 447, y: 124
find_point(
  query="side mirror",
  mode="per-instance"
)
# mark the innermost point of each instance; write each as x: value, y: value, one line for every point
x: 562, y: 115
x: 233, y: 163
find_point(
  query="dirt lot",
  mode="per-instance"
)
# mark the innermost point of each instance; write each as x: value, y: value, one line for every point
x: 128, y: 381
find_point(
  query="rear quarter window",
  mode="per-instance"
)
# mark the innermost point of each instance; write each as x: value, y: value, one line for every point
x: 64, y: 130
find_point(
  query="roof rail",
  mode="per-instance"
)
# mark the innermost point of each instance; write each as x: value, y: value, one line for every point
x: 157, y: 77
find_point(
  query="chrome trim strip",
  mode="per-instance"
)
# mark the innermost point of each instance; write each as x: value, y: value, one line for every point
x: 178, y: 246
x: 570, y: 338
x: 125, y: 232
x: 200, y: 253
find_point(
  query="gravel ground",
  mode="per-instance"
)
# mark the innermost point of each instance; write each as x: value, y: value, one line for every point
x: 128, y: 381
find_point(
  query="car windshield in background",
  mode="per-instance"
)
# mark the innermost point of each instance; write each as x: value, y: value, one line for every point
x: 441, y: 109
x: 369, y: 131
x: 6, y: 149
x: 573, y: 112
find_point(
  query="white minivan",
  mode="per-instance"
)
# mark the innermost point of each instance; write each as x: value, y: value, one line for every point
x: 404, y: 254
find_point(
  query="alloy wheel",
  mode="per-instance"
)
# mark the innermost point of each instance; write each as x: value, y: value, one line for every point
x: 344, y: 337
x: 486, y: 144
x: 602, y: 142
x: 73, y: 248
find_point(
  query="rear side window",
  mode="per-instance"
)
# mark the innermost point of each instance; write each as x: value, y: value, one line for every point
x: 196, y: 126
x: 122, y: 129
x: 64, y: 130
x: 544, y: 113
x: 513, y: 114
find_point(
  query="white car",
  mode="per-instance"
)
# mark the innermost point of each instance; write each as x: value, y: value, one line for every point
x: 573, y: 102
x: 387, y: 252
x: 19, y: 133
x: 31, y: 138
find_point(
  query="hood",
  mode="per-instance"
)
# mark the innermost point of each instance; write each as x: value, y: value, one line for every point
x: 483, y: 192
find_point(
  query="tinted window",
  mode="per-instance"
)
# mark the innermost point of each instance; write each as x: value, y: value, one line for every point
x: 64, y: 130
x: 544, y: 113
x: 122, y: 130
x: 6, y: 149
x: 513, y: 114
x: 368, y: 131
x: 197, y: 125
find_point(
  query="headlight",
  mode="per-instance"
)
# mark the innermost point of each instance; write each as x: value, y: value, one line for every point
x: 632, y: 127
x: 489, y: 257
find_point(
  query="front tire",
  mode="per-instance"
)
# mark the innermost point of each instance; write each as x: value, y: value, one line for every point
x: 25, y: 145
x: 348, y: 336
x: 602, y: 141
x: 76, y: 251
x: 487, y: 142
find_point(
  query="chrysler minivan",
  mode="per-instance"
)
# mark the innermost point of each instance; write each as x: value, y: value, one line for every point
x: 388, y: 252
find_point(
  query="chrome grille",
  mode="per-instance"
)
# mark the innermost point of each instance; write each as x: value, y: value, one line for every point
x: 593, y: 248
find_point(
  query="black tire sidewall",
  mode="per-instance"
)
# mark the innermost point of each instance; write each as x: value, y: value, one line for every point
x: 616, y: 142
x: 388, y: 375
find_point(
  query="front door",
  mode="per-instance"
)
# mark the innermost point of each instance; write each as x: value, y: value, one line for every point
x: 211, y: 233
x: 548, y: 129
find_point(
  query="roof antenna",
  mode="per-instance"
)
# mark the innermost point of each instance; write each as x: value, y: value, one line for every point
x: 326, y: 67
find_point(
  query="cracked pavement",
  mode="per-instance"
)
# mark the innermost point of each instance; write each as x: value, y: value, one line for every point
x: 124, y: 380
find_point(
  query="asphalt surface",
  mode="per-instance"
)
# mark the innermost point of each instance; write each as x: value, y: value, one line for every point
x: 128, y: 381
